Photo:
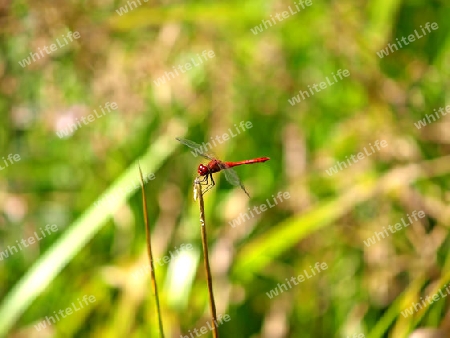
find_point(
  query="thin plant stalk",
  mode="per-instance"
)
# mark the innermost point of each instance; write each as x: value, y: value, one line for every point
x: 199, y: 194
x: 150, y: 257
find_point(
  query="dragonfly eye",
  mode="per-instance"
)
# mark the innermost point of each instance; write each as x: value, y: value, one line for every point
x: 202, y: 170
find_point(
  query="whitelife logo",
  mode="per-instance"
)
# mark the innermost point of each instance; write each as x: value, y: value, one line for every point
x: 49, y: 49
x: 285, y: 14
x: 426, y: 120
x: 397, y: 226
x: 129, y: 6
x: 70, y: 129
x: 318, y: 267
x: 111, y: 198
x: 225, y: 137
x: 12, y: 159
x: 204, y: 329
x: 259, y: 209
x: 360, y: 155
x: 64, y: 313
x: 418, y: 306
x: 206, y: 55
x: 49, y: 229
x: 323, y: 85
x: 145, y: 269
x: 411, y: 38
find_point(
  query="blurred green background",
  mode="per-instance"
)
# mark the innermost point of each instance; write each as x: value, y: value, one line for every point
x: 86, y: 183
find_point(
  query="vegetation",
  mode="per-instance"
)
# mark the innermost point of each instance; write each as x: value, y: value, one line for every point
x: 345, y: 233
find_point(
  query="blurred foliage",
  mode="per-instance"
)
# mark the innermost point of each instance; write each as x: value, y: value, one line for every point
x: 99, y: 248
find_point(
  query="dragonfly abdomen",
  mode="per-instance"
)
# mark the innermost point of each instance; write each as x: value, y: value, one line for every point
x: 255, y: 160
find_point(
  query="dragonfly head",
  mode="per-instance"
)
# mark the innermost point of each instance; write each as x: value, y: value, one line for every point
x: 202, y: 170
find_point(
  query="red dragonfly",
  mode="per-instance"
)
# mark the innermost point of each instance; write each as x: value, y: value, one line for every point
x: 216, y: 165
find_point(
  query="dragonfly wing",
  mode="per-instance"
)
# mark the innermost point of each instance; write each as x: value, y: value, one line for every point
x: 232, y: 177
x: 197, y: 148
x: 189, y: 143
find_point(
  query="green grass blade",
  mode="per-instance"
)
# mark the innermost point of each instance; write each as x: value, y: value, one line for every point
x: 80, y: 232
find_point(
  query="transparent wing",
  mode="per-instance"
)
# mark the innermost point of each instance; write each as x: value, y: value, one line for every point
x: 232, y: 177
x: 199, y: 149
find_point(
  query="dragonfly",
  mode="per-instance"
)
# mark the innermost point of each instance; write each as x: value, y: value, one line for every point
x: 215, y: 165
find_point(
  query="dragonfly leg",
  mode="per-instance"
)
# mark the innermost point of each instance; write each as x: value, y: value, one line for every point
x: 208, y: 184
x: 243, y: 188
x: 205, y: 182
x: 203, y: 179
